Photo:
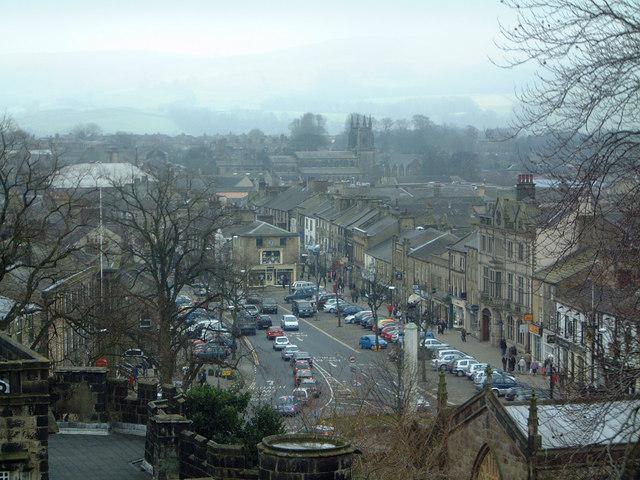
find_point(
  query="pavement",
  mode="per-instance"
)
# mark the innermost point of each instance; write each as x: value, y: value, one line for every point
x: 96, y: 457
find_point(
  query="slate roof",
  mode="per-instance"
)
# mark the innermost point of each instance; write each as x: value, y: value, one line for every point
x: 582, y: 424
x: 96, y: 457
x: 435, y: 245
x: 417, y: 238
x: 567, y: 267
x: 259, y: 228
x: 330, y: 171
x: 466, y: 242
x: 289, y: 199
x: 378, y: 225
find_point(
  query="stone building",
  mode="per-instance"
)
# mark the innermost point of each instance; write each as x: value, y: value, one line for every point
x: 269, y: 251
x: 548, y: 440
x: 24, y: 408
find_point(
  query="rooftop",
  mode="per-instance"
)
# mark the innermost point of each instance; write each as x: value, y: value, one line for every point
x: 262, y: 229
x: 97, y: 175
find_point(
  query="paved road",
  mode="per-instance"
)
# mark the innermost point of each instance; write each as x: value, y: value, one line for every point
x: 369, y: 381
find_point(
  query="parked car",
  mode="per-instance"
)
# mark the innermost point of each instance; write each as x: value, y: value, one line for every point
x: 390, y: 334
x: 440, y: 363
x: 331, y: 306
x: 357, y: 317
x: 280, y: 342
x: 473, y: 369
x: 523, y: 392
x: 443, y: 352
x: 300, y: 355
x: 289, y: 322
x: 383, y: 322
x: 245, y: 325
x: 500, y: 384
x: 324, y: 297
x: 273, y: 332
x: 432, y: 343
x: 300, y: 374
x: 264, y: 321
x: 367, y: 322
x: 460, y: 367
x: 369, y: 342
x: 211, y: 352
x: 269, y: 305
x: 480, y: 377
x: 301, y: 365
x: 183, y: 301
x: 254, y: 300
x: 300, y: 284
x: 287, y: 405
x: 305, y: 293
x: 250, y: 309
x: 311, y: 384
x: 302, y: 308
x: 351, y: 310
x: 288, y: 351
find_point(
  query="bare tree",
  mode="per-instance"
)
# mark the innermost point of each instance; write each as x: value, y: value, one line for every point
x: 34, y: 225
x: 170, y: 237
x: 376, y: 293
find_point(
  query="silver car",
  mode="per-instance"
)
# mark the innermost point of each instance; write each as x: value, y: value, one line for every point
x: 460, y: 367
x: 288, y: 351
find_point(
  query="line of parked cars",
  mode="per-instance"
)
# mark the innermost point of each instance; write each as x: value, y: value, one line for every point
x: 458, y: 363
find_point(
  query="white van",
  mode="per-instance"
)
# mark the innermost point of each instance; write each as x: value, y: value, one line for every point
x: 299, y: 284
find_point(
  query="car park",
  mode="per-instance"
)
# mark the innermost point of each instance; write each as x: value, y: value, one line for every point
x: 324, y: 297
x: 369, y: 342
x: 460, y: 367
x: 302, y: 308
x: 357, y: 317
x: 269, y: 305
x: 264, y: 321
x: 280, y: 342
x: 288, y: 351
x: 443, y: 352
x: 441, y: 362
x: 273, y: 332
x: 331, y: 306
x: 287, y: 405
x: 289, y: 322
x: 351, y: 310
x: 480, y: 377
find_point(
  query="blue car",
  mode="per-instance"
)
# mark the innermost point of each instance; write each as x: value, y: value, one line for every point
x: 369, y: 342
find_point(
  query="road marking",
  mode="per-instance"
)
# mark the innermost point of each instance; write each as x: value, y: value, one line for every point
x: 320, y: 370
x: 320, y: 330
x: 254, y: 355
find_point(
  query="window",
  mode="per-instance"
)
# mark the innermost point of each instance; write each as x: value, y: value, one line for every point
x: 490, y: 239
x: 270, y: 257
x: 283, y: 242
x: 483, y: 243
x: 486, y: 281
x: 510, y: 249
x: 4, y: 475
x: 527, y: 293
x: 520, y: 251
x: 510, y: 287
x: 521, y: 331
x: 520, y: 299
x: 259, y: 242
x: 498, y: 285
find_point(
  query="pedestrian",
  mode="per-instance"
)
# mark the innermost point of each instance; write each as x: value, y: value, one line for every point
x: 527, y: 360
x: 504, y: 362
x: 283, y: 281
x: 135, y: 373
x: 503, y: 346
x: 357, y: 296
x: 534, y: 367
x: 463, y: 335
x: 521, y: 365
x: 512, y: 363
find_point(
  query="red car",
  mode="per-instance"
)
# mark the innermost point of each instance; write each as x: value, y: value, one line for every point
x: 301, y: 365
x: 273, y: 332
x: 300, y: 374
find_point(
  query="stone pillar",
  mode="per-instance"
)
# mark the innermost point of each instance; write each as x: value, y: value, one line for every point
x: 410, y: 363
x: 161, y: 445
x: 305, y: 457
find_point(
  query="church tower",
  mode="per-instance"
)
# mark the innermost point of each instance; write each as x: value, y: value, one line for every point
x: 362, y: 144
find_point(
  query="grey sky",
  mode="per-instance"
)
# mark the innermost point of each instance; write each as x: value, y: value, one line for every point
x: 138, y: 64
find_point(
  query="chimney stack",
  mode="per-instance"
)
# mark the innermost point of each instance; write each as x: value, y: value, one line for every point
x: 525, y: 187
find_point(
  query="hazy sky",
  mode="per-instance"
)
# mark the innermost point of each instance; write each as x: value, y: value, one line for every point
x: 461, y: 30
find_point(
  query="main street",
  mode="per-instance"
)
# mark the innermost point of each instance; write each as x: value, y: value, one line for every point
x: 349, y: 378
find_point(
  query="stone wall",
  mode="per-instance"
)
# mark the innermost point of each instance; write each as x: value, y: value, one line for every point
x: 85, y: 394
x: 24, y: 407
x: 200, y: 457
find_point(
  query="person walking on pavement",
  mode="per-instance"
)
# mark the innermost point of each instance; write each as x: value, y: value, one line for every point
x: 534, y: 367
x: 357, y: 295
x: 463, y: 335
x: 503, y: 346
x: 527, y: 361
x: 283, y: 281
x: 504, y: 362
x: 521, y: 365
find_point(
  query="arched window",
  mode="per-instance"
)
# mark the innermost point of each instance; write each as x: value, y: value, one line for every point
x: 486, y: 466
